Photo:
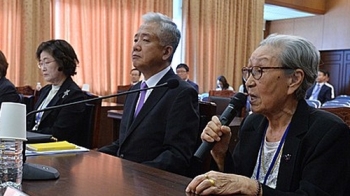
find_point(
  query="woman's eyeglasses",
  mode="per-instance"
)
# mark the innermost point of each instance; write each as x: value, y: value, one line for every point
x: 256, y: 71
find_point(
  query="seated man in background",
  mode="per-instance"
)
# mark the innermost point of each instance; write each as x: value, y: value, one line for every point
x: 182, y: 71
x: 8, y: 91
x: 320, y: 91
x: 135, y: 76
x: 328, y: 84
x: 58, y: 62
x: 159, y: 127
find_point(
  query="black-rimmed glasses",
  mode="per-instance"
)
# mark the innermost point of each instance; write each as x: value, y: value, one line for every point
x: 256, y: 71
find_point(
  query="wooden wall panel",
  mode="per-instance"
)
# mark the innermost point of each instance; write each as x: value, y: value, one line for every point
x: 346, y: 76
x: 312, y: 6
x: 337, y: 62
x: 328, y: 32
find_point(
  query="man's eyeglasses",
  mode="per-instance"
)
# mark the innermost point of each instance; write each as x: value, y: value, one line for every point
x: 256, y: 71
x: 44, y: 63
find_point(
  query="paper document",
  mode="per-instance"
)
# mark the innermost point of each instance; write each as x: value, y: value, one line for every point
x: 53, y: 148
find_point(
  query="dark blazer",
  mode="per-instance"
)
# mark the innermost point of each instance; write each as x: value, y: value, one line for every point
x: 316, y: 155
x: 164, y: 133
x: 64, y: 123
x: 8, y: 92
x: 195, y: 86
x: 324, y: 95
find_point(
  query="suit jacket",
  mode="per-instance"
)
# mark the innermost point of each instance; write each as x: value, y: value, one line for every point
x: 164, y: 133
x: 316, y: 155
x: 8, y: 92
x: 324, y: 95
x: 65, y: 123
x: 195, y: 86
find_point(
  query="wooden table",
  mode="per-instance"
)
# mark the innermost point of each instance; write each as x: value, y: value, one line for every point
x: 94, y: 173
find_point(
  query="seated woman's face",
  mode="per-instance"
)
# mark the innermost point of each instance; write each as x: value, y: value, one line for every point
x: 49, y: 68
x: 269, y: 93
x: 219, y: 84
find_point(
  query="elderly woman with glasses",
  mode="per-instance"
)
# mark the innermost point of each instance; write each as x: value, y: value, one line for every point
x: 57, y: 63
x: 285, y: 147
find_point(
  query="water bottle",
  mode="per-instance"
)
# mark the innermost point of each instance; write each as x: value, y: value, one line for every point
x: 12, y: 135
x: 38, y: 86
x: 11, y: 164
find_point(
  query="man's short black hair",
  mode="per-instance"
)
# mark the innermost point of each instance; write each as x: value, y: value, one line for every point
x: 183, y: 65
x: 136, y: 70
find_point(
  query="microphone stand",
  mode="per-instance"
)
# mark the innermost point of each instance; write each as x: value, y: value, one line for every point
x: 95, y: 99
x: 41, y: 172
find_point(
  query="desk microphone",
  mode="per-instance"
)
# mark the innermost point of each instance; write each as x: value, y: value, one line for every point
x: 236, y: 104
x: 171, y: 84
x: 41, y: 172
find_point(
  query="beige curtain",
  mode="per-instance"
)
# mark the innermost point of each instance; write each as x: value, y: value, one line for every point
x: 219, y: 38
x: 23, y: 24
x: 102, y: 32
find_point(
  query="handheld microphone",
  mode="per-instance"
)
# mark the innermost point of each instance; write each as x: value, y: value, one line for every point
x: 236, y: 104
x: 41, y: 172
x: 171, y: 84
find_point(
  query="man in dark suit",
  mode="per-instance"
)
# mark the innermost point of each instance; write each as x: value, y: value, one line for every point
x: 8, y: 91
x: 182, y: 71
x: 135, y: 76
x: 164, y: 132
x: 320, y: 91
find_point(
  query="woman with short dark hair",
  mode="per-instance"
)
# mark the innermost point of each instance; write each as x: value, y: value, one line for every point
x: 57, y: 63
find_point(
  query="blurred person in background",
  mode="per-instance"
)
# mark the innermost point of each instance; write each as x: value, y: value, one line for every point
x: 135, y: 76
x: 182, y: 71
x: 222, y: 84
x: 8, y: 92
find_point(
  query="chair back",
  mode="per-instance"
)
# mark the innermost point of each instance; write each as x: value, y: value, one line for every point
x: 206, y: 111
x: 120, y: 89
x: 28, y: 96
x: 313, y: 103
x: 220, y: 102
x: 25, y: 90
x: 221, y: 93
x: 92, y: 121
x: 89, y: 122
x: 342, y: 112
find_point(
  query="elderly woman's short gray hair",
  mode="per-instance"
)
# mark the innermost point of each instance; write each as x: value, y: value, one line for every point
x: 296, y: 53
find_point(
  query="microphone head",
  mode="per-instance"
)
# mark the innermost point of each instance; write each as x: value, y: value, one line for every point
x: 239, y: 100
x: 173, y: 83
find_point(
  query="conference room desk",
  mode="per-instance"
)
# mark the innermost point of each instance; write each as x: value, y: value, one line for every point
x: 94, y: 173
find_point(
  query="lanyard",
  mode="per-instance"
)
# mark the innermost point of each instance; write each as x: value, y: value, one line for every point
x: 275, y: 156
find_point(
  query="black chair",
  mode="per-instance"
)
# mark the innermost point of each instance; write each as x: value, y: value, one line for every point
x: 221, y: 103
x: 91, y: 122
x: 28, y: 100
x: 120, y: 89
x: 206, y: 111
